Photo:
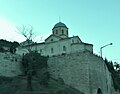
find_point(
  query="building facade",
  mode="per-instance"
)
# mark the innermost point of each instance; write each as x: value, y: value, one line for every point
x: 58, y: 43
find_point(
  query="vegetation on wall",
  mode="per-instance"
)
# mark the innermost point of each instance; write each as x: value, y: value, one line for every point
x: 115, y: 72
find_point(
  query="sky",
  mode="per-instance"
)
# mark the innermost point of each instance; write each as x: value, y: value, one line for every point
x: 94, y: 21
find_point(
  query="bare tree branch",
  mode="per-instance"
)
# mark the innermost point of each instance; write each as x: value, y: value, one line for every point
x: 27, y: 32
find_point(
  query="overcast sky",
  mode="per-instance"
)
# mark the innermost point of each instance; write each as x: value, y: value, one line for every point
x: 94, y: 21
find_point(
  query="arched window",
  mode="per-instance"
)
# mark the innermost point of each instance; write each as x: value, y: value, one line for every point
x: 62, y: 31
x: 64, y: 48
x: 99, y: 91
x: 56, y: 31
x: 67, y: 32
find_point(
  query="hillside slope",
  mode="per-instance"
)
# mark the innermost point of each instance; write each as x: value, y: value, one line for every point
x: 17, y: 85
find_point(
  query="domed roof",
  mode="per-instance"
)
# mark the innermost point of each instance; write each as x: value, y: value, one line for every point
x: 59, y: 24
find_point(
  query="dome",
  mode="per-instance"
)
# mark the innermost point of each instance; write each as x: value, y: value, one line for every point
x: 60, y: 24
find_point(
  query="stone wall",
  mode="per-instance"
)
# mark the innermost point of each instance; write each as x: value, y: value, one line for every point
x: 9, y: 64
x: 83, y: 71
x: 100, y: 77
x: 72, y: 69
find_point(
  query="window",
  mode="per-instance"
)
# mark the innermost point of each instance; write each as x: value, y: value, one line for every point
x: 40, y: 50
x: 62, y: 31
x: 64, y: 48
x: 51, y: 50
x: 56, y: 31
x: 66, y: 32
x: 51, y: 39
x: 72, y: 41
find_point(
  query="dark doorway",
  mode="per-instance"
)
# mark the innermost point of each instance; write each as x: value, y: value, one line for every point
x: 99, y: 91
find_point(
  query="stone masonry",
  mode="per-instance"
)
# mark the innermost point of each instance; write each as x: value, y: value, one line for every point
x: 9, y: 64
x: 83, y: 71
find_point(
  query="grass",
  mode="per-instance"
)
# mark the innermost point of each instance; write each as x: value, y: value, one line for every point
x: 56, y: 85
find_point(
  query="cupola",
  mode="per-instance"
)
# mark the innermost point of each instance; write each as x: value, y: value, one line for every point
x: 60, y: 29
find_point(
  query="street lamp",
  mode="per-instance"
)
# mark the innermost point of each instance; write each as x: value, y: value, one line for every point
x: 103, y: 47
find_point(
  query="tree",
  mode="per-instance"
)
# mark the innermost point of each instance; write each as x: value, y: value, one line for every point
x: 13, y: 47
x: 117, y: 66
x: 109, y: 65
x: 15, y: 44
x: 1, y: 49
x: 10, y: 45
x: 35, y: 65
x: 27, y: 32
x: 114, y: 73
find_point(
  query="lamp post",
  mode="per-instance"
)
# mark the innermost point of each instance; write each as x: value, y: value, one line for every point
x: 103, y: 47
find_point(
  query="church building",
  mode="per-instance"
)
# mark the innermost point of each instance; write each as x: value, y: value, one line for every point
x: 58, y: 43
